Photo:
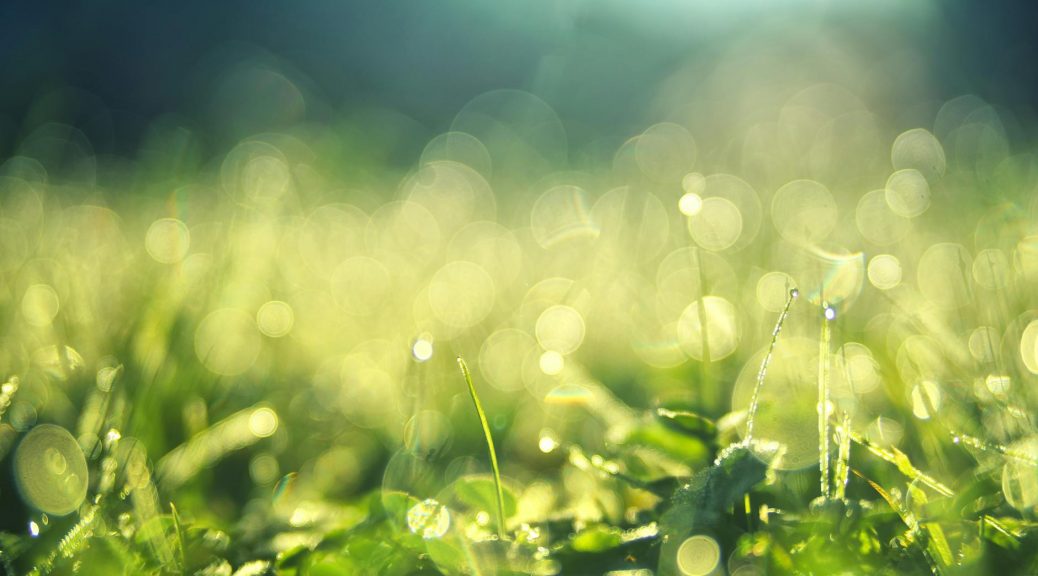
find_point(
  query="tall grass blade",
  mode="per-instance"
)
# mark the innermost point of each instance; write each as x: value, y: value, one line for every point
x: 843, y: 457
x: 823, y: 399
x: 490, y: 447
x: 751, y: 416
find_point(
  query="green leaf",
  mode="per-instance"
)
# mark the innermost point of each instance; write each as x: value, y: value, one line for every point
x: 656, y: 435
x: 479, y: 493
x: 597, y: 538
x: 688, y: 422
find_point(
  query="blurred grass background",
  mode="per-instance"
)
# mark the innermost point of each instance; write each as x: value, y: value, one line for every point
x: 243, y: 243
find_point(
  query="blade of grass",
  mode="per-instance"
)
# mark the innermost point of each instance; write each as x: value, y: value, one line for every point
x: 907, y: 517
x: 823, y: 399
x: 751, y: 415
x: 490, y: 447
x: 903, y: 464
x: 843, y: 456
x: 178, y: 527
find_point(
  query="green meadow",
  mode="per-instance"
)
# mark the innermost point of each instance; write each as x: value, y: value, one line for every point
x: 785, y: 326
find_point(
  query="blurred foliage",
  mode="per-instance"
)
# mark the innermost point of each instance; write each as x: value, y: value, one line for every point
x: 244, y: 363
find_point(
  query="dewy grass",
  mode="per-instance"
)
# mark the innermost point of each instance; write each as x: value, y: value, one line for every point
x: 828, y: 314
x: 490, y: 447
x: 751, y: 415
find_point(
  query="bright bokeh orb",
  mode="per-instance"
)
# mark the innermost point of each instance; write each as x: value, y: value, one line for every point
x: 699, y: 555
x: 560, y: 328
x: 690, y: 203
x: 40, y: 305
x: 709, y: 326
x: 920, y: 150
x: 429, y: 519
x: 551, y: 362
x: 422, y: 349
x: 1029, y: 346
x: 275, y: 319
x: 168, y: 240
x: 716, y: 224
x: 884, y: 271
x: 1019, y: 481
x: 926, y: 399
x: 51, y: 470
x: 907, y: 193
x: 263, y: 422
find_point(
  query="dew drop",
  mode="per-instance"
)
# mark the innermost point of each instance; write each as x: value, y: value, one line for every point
x: 429, y: 519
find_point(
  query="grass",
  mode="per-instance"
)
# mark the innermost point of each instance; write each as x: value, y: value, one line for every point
x: 498, y: 490
x: 251, y: 397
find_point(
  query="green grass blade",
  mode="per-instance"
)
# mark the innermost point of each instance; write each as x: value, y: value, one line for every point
x: 751, y: 415
x: 490, y: 447
x: 823, y: 400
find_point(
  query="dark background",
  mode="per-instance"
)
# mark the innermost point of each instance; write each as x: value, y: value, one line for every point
x: 110, y: 67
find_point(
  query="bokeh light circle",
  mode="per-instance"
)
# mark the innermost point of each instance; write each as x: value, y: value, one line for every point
x: 884, y: 271
x: 907, y: 193
x: 275, y: 319
x: 168, y: 240
x: 920, y: 150
x: 709, y: 326
x: 699, y: 555
x: 716, y: 224
x: 51, y: 470
x: 560, y: 328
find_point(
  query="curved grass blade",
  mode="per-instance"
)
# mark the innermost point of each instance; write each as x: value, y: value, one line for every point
x: 751, y: 415
x: 903, y: 464
x: 490, y: 447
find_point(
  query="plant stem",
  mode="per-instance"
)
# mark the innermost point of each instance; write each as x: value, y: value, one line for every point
x: 490, y: 447
x: 843, y: 457
x: 823, y: 400
x: 751, y: 415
